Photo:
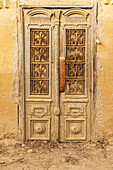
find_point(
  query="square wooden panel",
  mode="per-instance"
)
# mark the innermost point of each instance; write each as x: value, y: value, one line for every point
x: 40, y: 129
x: 75, y: 129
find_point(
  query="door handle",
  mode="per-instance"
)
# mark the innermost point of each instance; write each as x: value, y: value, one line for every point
x: 62, y: 74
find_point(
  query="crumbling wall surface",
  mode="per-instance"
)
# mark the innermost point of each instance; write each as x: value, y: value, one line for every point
x: 104, y: 100
x: 7, y: 51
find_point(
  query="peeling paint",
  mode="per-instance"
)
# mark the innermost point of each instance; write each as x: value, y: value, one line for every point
x: 100, y: 21
x: 99, y: 66
x: 99, y: 111
x: 15, y: 72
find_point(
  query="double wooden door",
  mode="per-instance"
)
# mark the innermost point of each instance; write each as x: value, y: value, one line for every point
x: 57, y: 52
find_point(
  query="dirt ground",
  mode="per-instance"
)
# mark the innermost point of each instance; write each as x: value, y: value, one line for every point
x: 35, y: 155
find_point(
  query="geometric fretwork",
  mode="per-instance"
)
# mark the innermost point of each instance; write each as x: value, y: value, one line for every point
x: 39, y: 61
x: 75, y: 61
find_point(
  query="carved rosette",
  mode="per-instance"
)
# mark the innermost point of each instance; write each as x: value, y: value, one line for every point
x: 76, y: 129
x: 40, y: 129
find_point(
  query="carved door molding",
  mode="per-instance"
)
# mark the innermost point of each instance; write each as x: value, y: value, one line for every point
x: 56, y: 73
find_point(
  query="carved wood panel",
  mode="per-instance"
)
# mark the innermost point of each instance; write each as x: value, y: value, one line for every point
x: 39, y: 61
x: 40, y: 129
x: 75, y: 61
x: 56, y: 60
x: 75, y: 128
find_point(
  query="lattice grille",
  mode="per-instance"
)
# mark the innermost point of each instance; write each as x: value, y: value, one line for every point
x: 75, y: 61
x: 39, y: 61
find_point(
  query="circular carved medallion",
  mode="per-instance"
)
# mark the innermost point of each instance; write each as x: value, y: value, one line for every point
x: 76, y: 129
x: 40, y: 129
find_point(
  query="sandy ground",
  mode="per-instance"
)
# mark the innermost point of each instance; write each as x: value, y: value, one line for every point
x: 55, y: 156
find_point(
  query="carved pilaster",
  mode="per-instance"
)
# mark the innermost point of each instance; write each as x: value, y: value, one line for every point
x: 57, y: 52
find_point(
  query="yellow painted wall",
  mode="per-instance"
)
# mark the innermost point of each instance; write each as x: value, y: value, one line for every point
x: 8, y: 47
x: 105, y: 67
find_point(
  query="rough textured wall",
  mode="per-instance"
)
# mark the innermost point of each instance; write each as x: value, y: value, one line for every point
x: 7, y: 52
x: 104, y: 117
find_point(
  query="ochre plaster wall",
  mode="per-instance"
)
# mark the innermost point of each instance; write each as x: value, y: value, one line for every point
x: 8, y: 49
x: 104, y: 114
x: 8, y: 112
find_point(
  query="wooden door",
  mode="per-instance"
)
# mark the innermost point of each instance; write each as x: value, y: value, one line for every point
x: 57, y: 46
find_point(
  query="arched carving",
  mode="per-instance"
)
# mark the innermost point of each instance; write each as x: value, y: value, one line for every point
x: 73, y: 11
x: 39, y: 11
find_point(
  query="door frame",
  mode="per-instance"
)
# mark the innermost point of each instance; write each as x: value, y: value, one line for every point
x: 21, y: 68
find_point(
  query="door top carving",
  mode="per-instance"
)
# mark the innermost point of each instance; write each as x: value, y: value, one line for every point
x: 81, y: 12
x: 39, y: 11
x: 57, y: 3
